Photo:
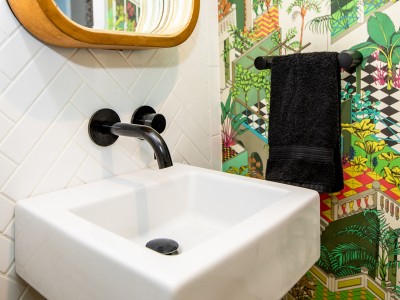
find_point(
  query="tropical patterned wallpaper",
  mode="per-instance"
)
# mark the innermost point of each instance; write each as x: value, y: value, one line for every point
x: 360, y: 226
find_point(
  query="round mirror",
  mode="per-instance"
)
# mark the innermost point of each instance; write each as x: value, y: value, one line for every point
x: 112, y: 24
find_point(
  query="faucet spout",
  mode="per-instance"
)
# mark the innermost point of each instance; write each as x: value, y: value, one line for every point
x: 150, y: 135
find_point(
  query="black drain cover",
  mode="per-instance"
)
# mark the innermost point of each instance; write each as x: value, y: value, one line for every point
x: 163, y: 246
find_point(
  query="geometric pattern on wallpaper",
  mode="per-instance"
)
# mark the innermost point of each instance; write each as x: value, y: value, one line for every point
x: 320, y: 292
x: 267, y: 22
x: 254, y: 120
x: 356, y: 182
x: 388, y: 121
x: 47, y: 95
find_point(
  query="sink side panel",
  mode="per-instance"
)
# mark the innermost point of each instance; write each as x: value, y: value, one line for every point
x: 231, y: 199
x: 266, y: 268
x: 63, y: 268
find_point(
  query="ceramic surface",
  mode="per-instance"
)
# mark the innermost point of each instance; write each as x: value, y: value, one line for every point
x: 240, y: 238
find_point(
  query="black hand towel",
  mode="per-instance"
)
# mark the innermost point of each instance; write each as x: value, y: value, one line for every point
x: 304, y: 123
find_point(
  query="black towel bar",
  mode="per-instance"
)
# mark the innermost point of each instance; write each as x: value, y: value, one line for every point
x: 347, y: 59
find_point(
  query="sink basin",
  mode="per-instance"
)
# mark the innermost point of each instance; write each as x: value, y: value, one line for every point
x: 239, y: 238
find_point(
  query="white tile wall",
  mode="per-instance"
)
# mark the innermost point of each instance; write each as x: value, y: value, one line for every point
x: 47, y: 95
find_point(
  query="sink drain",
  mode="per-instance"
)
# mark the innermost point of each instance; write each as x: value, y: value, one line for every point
x: 163, y: 246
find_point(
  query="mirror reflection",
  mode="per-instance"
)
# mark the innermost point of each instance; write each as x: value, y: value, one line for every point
x: 116, y: 15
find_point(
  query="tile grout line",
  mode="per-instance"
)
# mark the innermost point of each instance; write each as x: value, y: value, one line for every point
x: 92, y: 53
x: 11, y: 36
x: 29, y: 108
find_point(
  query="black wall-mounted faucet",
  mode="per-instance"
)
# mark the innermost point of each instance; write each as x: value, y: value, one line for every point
x: 105, y: 127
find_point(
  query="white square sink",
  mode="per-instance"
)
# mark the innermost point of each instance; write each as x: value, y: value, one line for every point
x: 240, y: 238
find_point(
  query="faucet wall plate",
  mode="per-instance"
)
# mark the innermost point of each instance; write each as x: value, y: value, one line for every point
x: 100, y: 127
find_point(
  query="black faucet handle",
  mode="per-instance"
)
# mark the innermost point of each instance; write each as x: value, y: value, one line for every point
x: 146, y: 115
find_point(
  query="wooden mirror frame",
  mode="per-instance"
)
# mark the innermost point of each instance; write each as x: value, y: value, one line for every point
x: 44, y: 20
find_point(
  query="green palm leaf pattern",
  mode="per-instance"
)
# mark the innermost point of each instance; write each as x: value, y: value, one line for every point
x: 377, y: 231
x: 346, y: 271
x: 394, y: 51
x: 352, y: 254
x: 360, y: 231
x: 320, y: 25
x: 381, y: 29
x: 345, y: 259
x: 325, y: 260
x: 395, y: 41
